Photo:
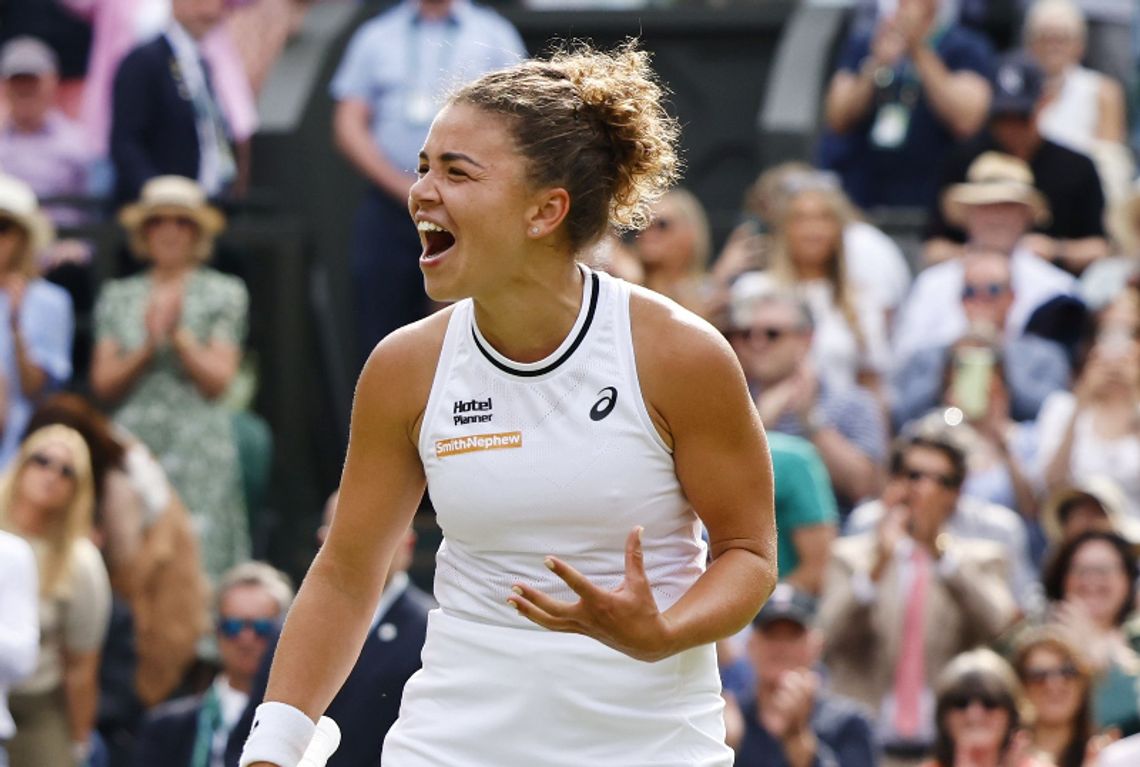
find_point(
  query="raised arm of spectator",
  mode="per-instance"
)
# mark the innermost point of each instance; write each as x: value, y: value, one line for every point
x: 130, y: 125
x: 1112, y: 122
x: 353, y: 135
x: 114, y: 370
x: 211, y: 365
x: 960, y: 99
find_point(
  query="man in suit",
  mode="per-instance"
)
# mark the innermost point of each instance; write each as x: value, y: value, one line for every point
x: 902, y: 600
x: 165, y: 117
x: 369, y: 701
x: 197, y: 731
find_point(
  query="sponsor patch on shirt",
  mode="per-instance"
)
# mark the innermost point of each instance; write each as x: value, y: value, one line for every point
x: 475, y: 442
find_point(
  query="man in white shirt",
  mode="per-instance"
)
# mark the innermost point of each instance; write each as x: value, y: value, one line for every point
x: 195, y: 732
x: 997, y: 206
x: 19, y: 624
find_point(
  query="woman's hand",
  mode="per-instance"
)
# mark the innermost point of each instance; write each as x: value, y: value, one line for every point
x: 626, y: 619
x: 163, y: 313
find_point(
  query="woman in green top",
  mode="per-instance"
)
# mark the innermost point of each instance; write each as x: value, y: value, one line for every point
x: 168, y: 344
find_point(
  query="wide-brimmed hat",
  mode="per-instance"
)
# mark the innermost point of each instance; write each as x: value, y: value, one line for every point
x: 995, y: 178
x: 173, y: 195
x: 18, y: 202
x: 1102, y: 491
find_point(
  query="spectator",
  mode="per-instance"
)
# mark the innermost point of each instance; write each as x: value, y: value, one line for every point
x: 981, y: 710
x: 152, y: 557
x: 391, y: 82
x: 19, y: 624
x: 1030, y: 367
x: 996, y: 204
x: 1095, y: 429
x: 773, y: 337
x: 875, y: 264
x: 1074, y: 236
x: 674, y: 250
x: 165, y: 375
x: 187, y: 732
x: 1086, y: 109
x: 36, y: 322
x: 1095, y: 504
x: 793, y: 720
x: 165, y: 115
x: 369, y: 700
x: 806, y: 255
x: 903, y: 599
x: 1105, y: 280
x: 967, y: 518
x: 1091, y: 583
x: 902, y: 95
x: 39, y: 144
x: 806, y: 516
x: 46, y: 497
x: 1057, y: 684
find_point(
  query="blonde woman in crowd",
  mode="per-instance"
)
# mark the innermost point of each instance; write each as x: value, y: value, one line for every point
x: 807, y: 254
x: 167, y: 346
x: 47, y: 497
x: 674, y: 250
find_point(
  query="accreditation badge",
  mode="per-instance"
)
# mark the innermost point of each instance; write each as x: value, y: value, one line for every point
x: 891, y: 124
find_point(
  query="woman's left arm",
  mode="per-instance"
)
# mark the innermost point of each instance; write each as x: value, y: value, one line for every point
x: 211, y: 366
x: 81, y: 693
x: 697, y: 396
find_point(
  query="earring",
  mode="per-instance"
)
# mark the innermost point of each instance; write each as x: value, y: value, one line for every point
x: 534, y: 230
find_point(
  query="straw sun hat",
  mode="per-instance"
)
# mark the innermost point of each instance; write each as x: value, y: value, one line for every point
x: 995, y: 178
x: 18, y: 202
x: 177, y: 196
x: 1099, y: 490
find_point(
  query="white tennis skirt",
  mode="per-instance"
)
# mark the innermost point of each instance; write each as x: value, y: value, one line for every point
x: 494, y: 696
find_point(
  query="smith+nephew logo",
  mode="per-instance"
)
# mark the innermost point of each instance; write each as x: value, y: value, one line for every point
x: 468, y: 411
x: 476, y: 442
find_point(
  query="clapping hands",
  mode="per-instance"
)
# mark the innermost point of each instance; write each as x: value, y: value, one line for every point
x: 163, y: 313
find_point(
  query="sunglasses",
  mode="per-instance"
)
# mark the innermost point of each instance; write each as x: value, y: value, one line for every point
x: 661, y: 224
x: 771, y: 333
x: 8, y: 225
x: 231, y: 627
x: 915, y: 475
x: 1039, y: 676
x: 989, y: 290
x: 962, y: 700
x: 62, y: 468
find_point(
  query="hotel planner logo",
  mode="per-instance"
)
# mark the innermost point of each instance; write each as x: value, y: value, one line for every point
x: 471, y: 411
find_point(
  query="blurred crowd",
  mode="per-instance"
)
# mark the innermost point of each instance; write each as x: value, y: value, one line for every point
x: 954, y: 426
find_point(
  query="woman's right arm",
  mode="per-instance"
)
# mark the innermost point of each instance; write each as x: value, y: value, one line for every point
x: 114, y: 372
x: 381, y: 487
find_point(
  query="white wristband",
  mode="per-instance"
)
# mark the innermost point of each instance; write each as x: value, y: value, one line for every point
x: 280, y: 735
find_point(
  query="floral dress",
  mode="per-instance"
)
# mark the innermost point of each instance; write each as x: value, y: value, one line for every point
x: 191, y: 436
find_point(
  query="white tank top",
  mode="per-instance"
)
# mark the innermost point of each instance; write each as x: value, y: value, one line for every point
x: 554, y: 457
x: 1071, y: 118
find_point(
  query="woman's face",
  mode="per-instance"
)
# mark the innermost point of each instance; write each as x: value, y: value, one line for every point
x: 170, y: 240
x: 1096, y: 580
x: 667, y: 244
x: 48, y: 477
x: 13, y: 240
x: 1056, y: 46
x: 471, y: 203
x: 813, y: 230
x: 1053, y: 685
x: 976, y: 722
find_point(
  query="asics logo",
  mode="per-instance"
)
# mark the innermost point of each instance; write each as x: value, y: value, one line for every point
x: 605, y: 405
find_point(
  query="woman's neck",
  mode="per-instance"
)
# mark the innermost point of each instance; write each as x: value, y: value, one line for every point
x: 808, y: 272
x: 529, y: 317
x: 1052, y: 739
x: 30, y: 521
x: 170, y: 274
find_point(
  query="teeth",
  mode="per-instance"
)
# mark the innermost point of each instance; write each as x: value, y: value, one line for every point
x: 428, y: 226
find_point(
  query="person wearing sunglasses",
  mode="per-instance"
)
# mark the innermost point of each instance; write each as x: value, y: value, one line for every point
x: 1058, y: 684
x: 200, y: 730
x: 907, y: 594
x: 168, y: 344
x: 981, y: 710
x: 47, y: 498
x: 674, y: 250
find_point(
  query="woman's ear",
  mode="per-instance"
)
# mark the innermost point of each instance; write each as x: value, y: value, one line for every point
x: 550, y: 209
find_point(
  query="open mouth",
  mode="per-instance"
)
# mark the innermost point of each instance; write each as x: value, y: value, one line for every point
x: 436, y: 239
